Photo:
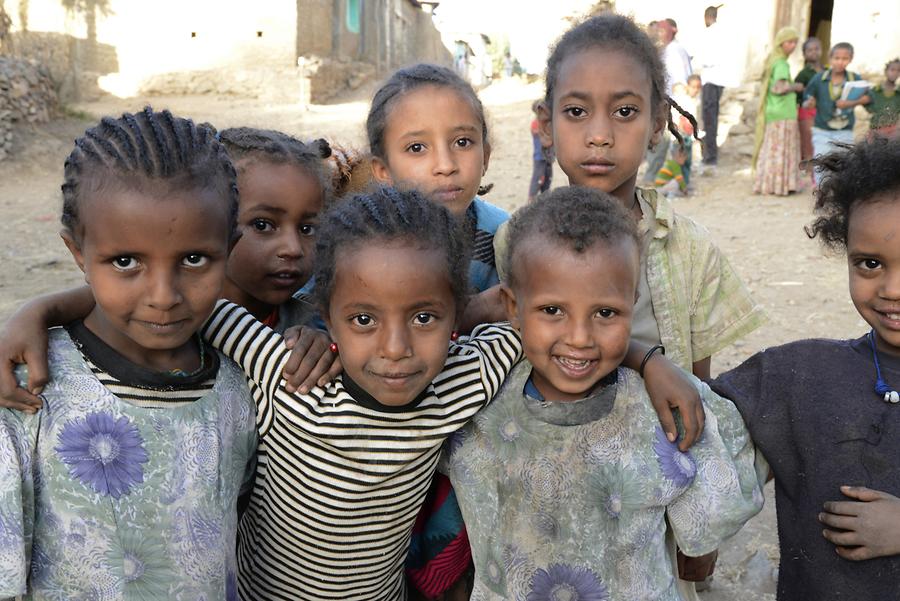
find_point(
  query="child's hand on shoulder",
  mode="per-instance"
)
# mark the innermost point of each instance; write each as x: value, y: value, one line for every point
x: 671, y: 388
x: 867, y: 527
x: 312, y: 362
x: 23, y: 340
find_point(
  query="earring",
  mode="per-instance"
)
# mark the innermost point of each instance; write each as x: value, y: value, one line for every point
x: 454, y: 335
x: 333, y: 348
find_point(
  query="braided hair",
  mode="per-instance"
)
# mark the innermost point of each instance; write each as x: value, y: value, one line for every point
x: 620, y: 33
x: 247, y: 144
x: 388, y: 214
x: 574, y: 216
x: 149, y: 146
x: 403, y: 81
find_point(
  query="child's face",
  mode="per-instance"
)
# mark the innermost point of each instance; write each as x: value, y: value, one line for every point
x: 574, y: 311
x: 433, y: 143
x: 839, y: 60
x: 892, y: 72
x: 788, y: 46
x: 155, y: 264
x: 813, y: 52
x: 873, y: 257
x: 601, y: 122
x: 693, y: 87
x: 391, y: 313
x: 277, y: 220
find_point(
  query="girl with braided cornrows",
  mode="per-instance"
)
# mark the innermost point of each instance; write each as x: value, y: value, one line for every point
x: 125, y: 484
x: 605, y: 104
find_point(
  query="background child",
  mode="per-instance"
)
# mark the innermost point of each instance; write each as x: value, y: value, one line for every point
x: 605, y: 104
x: 670, y: 179
x: 566, y: 480
x: 688, y: 98
x: 883, y: 102
x: 812, y: 64
x: 821, y: 411
x: 126, y: 484
x: 834, y: 117
x: 542, y: 169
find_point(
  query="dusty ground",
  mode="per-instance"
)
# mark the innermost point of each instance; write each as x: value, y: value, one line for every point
x: 804, y: 292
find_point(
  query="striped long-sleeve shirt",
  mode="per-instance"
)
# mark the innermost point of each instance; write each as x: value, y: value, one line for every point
x: 339, y: 479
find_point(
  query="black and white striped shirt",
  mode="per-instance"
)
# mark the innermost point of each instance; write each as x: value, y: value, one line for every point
x: 340, y: 480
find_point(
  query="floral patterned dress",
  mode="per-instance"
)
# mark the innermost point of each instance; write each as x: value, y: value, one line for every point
x: 570, y: 500
x: 101, y: 499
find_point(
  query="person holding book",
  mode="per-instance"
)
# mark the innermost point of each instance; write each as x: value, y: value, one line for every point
x: 834, y: 111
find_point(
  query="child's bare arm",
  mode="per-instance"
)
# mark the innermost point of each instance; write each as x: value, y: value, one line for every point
x: 23, y: 339
x: 669, y: 387
x: 865, y: 528
x: 312, y: 362
x: 484, y: 307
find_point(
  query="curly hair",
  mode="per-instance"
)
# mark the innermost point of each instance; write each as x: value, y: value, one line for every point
x: 141, y: 148
x: 576, y: 216
x: 248, y: 144
x: 388, y: 214
x: 852, y: 175
x: 621, y: 34
x: 407, y: 79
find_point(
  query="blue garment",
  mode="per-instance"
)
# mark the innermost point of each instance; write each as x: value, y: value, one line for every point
x: 483, y: 268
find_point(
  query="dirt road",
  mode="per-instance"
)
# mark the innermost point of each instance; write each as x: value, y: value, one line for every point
x: 803, y: 291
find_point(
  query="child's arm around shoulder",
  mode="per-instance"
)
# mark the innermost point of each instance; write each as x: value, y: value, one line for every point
x: 23, y: 340
x: 726, y: 490
x: 498, y: 348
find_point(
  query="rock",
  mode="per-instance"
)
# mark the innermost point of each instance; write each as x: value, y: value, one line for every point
x: 740, y: 129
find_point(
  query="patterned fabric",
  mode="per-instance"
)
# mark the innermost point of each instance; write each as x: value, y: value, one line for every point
x: 571, y: 500
x: 341, y: 477
x: 101, y: 499
x: 778, y: 168
x: 884, y: 107
x: 669, y: 171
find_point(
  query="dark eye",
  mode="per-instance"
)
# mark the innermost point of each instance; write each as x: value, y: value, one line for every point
x: 262, y: 225
x: 870, y: 264
x: 551, y: 310
x: 195, y: 260
x: 423, y: 319
x: 308, y: 229
x: 606, y: 313
x: 362, y: 320
x: 464, y: 142
x: 626, y: 111
x: 125, y: 263
x: 415, y: 147
x: 575, y: 111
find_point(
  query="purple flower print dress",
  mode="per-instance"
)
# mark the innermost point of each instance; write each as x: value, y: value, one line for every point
x: 103, y: 499
x: 570, y: 500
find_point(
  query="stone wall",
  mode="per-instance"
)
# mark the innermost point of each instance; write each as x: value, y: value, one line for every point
x: 27, y: 95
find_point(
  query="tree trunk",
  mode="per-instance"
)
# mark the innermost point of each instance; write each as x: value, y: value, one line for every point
x: 90, y: 19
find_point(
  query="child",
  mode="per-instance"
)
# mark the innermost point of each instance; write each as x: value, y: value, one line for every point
x: 427, y: 130
x: 344, y: 469
x: 542, y: 170
x: 671, y: 180
x: 688, y: 98
x: 605, y: 104
x: 284, y: 185
x: 565, y: 481
x: 834, y: 117
x: 125, y: 485
x: 812, y: 64
x: 883, y: 102
x: 823, y: 412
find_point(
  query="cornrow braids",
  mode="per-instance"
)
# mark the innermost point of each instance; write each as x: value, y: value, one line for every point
x: 852, y: 175
x: 385, y: 215
x: 575, y: 216
x: 246, y: 144
x: 148, y: 146
x: 351, y: 170
x: 407, y: 79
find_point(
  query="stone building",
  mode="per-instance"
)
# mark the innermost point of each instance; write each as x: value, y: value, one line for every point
x: 231, y: 46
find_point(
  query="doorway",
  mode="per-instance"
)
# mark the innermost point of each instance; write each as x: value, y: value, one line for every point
x: 820, y: 23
